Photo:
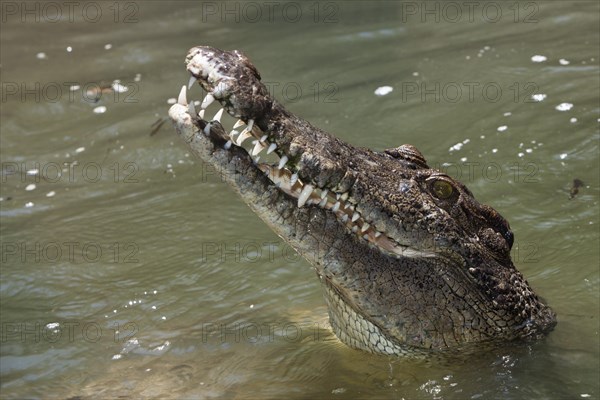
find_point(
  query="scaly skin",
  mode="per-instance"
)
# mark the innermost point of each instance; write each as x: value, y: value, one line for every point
x: 410, y: 261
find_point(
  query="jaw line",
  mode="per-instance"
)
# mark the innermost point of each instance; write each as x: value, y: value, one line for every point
x: 284, y: 175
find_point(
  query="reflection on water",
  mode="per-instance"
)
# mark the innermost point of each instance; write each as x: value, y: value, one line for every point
x: 130, y: 269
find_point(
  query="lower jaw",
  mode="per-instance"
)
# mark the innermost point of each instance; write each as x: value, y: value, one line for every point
x: 358, y: 332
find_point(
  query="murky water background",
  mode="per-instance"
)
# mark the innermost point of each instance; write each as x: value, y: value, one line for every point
x: 130, y: 269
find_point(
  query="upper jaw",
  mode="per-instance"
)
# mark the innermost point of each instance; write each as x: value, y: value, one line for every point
x: 227, y: 77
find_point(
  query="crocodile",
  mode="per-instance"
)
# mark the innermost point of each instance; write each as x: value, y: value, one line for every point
x: 411, y: 264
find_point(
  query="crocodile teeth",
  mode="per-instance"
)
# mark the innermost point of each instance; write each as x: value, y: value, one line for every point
x: 345, y: 218
x: 282, y: 162
x: 238, y: 123
x: 293, y: 179
x: 250, y: 124
x: 207, y: 128
x: 264, y: 138
x: 218, y: 115
x: 243, y: 136
x: 191, y: 82
x: 182, y: 99
x: 271, y: 148
x: 201, y: 113
x: 192, y: 109
x: 344, y: 196
x: 336, y: 206
x: 377, y: 234
x: 207, y: 101
x: 227, y: 145
x: 324, y: 193
x: 355, y: 216
x: 323, y: 202
x: 233, y: 133
x: 364, y: 227
x: 258, y: 147
x: 305, y: 194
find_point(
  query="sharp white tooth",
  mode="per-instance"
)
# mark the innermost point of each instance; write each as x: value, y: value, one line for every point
x: 250, y: 124
x: 345, y: 218
x: 271, y: 148
x: 324, y: 193
x: 201, y: 114
x: 218, y: 115
x: 364, y: 227
x: 238, y: 123
x: 233, y: 133
x: 323, y: 202
x: 191, y: 82
x: 243, y: 136
x: 336, y: 206
x: 355, y: 216
x: 227, y: 145
x: 263, y: 138
x: 355, y: 229
x: 258, y: 147
x: 337, y: 196
x: 282, y: 162
x: 366, y: 237
x: 207, y: 101
x: 293, y: 179
x: 192, y: 109
x: 256, y: 159
x: 207, y: 129
x: 377, y: 234
x: 305, y: 194
x: 344, y: 196
x: 182, y: 99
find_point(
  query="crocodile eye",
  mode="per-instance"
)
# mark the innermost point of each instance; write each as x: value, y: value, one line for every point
x: 442, y: 189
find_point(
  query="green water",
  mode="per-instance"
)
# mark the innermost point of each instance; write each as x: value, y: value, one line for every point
x: 130, y: 269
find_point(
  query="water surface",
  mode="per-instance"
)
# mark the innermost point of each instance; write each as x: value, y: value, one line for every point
x: 129, y: 268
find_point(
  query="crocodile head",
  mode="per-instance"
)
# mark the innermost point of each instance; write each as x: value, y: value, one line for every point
x: 410, y: 262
